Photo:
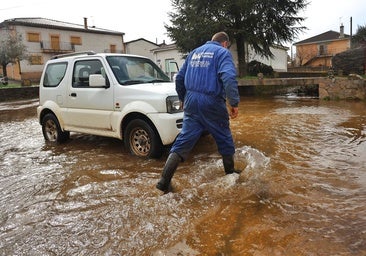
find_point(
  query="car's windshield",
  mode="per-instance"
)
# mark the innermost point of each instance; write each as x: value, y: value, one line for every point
x: 133, y: 70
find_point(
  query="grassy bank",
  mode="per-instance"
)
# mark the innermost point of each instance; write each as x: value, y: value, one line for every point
x: 10, y: 85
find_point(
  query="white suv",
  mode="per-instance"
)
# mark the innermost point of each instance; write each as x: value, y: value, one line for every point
x: 115, y: 95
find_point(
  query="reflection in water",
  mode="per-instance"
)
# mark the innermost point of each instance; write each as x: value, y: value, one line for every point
x: 302, y: 190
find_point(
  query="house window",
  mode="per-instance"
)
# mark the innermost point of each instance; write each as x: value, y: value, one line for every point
x: 33, y: 37
x: 75, y: 40
x: 322, y: 49
x: 36, y: 60
x: 55, y: 42
x: 113, y: 48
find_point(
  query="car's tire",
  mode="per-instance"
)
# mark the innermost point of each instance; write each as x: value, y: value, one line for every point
x: 141, y: 139
x: 51, y: 130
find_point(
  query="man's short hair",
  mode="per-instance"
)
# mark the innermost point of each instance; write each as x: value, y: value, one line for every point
x: 220, y: 37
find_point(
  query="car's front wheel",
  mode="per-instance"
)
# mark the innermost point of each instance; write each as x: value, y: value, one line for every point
x: 142, y: 140
x: 52, y: 130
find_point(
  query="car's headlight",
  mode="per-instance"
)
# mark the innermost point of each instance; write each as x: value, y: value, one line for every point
x: 173, y: 104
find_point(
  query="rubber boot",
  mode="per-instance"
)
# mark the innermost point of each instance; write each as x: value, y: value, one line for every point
x: 170, y: 166
x: 228, y: 162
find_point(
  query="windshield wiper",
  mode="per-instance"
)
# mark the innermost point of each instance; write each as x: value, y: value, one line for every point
x: 158, y: 81
x: 129, y: 82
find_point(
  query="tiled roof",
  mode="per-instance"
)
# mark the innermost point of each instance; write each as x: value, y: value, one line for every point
x: 49, y: 23
x: 326, y: 36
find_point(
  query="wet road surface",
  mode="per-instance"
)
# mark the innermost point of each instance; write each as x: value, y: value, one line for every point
x: 302, y: 190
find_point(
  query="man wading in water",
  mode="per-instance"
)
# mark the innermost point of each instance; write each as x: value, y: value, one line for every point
x: 205, y: 81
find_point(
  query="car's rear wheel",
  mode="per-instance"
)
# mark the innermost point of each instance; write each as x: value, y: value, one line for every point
x: 141, y: 139
x: 51, y: 129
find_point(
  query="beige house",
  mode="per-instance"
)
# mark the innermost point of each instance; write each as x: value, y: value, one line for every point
x: 45, y: 38
x: 319, y: 50
x: 141, y: 47
x: 166, y: 56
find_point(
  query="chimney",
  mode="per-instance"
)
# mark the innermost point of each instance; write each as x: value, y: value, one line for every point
x: 341, y: 31
x: 85, y: 23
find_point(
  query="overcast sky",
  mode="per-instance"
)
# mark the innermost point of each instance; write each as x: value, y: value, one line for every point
x: 146, y: 18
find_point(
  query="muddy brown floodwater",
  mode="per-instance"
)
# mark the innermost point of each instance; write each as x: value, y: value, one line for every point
x: 302, y: 190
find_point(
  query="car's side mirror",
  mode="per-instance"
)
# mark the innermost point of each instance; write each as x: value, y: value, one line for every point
x: 97, y: 80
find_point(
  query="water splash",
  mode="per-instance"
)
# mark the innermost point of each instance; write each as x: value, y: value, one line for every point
x: 253, y: 158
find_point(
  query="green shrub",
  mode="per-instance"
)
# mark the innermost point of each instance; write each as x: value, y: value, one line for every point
x: 255, y: 67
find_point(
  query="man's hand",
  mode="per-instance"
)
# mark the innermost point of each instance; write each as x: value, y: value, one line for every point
x: 234, y: 112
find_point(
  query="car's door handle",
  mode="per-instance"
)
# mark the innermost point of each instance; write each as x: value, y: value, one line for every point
x: 73, y: 94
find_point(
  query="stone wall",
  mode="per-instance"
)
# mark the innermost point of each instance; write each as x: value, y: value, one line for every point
x: 336, y: 88
x: 280, y: 86
x: 353, y: 87
x: 10, y: 94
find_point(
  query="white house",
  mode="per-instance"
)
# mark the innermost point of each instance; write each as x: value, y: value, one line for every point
x: 278, y: 62
x: 169, y: 58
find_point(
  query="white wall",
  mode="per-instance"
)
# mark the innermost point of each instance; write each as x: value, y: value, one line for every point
x: 171, y: 54
x: 278, y: 62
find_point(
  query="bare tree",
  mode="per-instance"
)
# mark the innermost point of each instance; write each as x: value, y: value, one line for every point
x: 303, y: 56
x: 12, y: 49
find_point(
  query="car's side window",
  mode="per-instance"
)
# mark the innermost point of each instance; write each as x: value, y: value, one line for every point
x: 83, y: 69
x: 54, y: 74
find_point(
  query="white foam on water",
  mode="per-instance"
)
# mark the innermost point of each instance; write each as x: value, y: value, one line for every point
x: 254, y: 158
x: 221, y: 183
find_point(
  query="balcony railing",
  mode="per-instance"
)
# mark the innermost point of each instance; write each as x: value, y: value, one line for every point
x: 59, y: 47
x: 65, y: 47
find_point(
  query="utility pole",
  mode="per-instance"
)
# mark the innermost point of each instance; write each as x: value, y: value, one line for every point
x: 350, y: 39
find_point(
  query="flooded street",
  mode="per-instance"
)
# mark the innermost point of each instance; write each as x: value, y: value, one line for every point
x: 302, y: 190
